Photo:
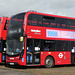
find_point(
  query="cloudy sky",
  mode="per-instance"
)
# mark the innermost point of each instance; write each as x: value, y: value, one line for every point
x: 57, y: 7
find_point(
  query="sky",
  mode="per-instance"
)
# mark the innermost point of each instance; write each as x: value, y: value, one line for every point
x: 56, y: 7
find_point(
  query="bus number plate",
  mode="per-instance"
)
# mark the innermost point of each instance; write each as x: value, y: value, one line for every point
x: 11, y: 63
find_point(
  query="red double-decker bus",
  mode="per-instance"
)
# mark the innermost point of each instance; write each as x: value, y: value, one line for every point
x: 3, y: 33
x: 36, y: 39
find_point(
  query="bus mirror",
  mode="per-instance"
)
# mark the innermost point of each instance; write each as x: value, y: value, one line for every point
x: 37, y: 48
x: 5, y: 49
x: 21, y: 38
x: 27, y: 48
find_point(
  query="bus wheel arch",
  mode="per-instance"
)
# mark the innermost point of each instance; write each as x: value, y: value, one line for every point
x: 49, y: 61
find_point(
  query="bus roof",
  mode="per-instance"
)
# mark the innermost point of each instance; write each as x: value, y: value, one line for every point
x: 33, y: 12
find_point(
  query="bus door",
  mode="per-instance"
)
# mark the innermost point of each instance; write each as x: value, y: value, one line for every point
x: 73, y: 52
x: 0, y: 51
x: 3, y: 51
x: 73, y: 55
x: 33, y: 51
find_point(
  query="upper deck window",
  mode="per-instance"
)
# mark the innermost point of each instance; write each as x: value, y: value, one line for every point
x: 16, y: 25
x: 61, y: 23
x: 71, y: 24
x: 17, y: 20
x: 50, y: 21
x: 35, y: 20
x: 6, y: 23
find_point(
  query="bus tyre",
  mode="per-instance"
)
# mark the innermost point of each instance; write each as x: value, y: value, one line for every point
x: 49, y: 62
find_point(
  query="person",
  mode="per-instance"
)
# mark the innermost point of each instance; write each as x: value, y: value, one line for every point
x: 46, y: 48
x: 29, y: 47
x: 29, y: 53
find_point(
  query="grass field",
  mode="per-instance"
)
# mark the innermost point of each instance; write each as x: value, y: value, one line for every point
x: 57, y: 70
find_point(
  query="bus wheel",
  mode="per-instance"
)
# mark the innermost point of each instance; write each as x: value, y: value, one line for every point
x: 49, y: 62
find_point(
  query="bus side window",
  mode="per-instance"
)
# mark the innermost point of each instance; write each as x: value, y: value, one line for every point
x: 39, y: 21
x: 71, y: 24
x: 53, y: 45
x: 5, y: 27
x: 32, y: 19
x: 68, y: 23
x: 29, y: 45
x: 49, y: 21
x: 53, y: 22
x: 61, y: 23
x: 72, y: 46
x: 46, y: 21
x: 37, y: 45
x: 29, y: 22
x: 45, y: 46
x: 66, y: 46
x: 0, y: 46
x: 48, y: 45
x: 63, y: 45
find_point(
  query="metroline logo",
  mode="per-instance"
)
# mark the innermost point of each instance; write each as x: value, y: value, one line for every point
x: 33, y: 30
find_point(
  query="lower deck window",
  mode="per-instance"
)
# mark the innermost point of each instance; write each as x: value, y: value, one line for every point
x: 55, y: 45
x: 52, y: 45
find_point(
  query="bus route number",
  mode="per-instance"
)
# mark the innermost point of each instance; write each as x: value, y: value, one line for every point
x: 52, y: 33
